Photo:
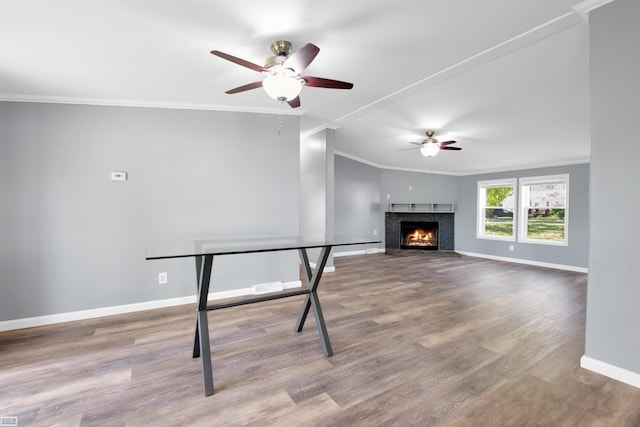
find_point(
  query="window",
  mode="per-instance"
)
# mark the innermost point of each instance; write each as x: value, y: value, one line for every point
x: 496, y: 202
x: 543, y: 209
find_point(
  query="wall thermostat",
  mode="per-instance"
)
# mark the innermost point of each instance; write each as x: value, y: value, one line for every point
x: 118, y: 176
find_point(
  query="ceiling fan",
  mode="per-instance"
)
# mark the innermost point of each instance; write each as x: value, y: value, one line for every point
x: 283, y: 81
x: 430, y: 147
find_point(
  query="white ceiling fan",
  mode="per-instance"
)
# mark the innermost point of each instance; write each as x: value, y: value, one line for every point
x: 283, y: 81
x: 430, y: 146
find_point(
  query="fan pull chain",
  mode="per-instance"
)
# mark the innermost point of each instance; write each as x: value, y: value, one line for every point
x: 281, y: 117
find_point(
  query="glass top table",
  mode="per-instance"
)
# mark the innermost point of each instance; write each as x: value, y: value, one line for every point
x: 203, y: 250
x: 199, y: 246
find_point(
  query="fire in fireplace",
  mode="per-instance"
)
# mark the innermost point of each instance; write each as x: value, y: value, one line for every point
x: 419, y: 235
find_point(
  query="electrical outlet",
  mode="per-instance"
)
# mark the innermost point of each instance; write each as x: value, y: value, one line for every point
x: 375, y: 232
x: 511, y: 248
x: 162, y: 278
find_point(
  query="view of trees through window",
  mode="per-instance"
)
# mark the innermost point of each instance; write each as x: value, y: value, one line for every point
x: 498, y: 211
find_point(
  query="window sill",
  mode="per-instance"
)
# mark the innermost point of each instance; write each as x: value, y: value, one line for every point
x: 501, y: 239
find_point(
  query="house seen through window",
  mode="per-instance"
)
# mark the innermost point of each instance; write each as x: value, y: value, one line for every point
x: 543, y: 204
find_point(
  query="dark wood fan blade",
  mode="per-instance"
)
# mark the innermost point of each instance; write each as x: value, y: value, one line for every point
x: 447, y: 143
x: 328, y: 83
x: 248, y: 86
x: 301, y: 58
x: 235, y: 60
x: 295, y: 102
x: 450, y: 148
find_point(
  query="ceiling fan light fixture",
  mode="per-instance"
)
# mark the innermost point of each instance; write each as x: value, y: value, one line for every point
x: 282, y: 80
x: 281, y: 87
x: 429, y: 149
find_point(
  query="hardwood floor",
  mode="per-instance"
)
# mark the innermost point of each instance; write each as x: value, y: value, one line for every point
x: 418, y: 340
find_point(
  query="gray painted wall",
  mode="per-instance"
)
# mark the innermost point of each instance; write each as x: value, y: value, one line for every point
x: 357, y: 201
x: 71, y: 239
x: 613, y: 298
x: 574, y: 255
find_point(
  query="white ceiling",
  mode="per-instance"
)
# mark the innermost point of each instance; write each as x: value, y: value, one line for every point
x: 507, y: 79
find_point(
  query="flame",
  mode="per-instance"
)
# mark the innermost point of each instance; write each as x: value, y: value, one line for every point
x: 420, y: 237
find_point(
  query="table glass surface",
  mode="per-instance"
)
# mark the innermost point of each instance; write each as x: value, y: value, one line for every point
x: 190, y: 247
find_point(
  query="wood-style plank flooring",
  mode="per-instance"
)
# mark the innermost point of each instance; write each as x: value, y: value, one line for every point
x: 418, y: 340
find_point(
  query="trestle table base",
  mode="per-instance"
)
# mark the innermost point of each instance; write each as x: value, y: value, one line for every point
x: 201, y: 343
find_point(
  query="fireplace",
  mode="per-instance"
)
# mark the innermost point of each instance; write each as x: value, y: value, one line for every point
x: 419, y: 235
x: 444, y: 236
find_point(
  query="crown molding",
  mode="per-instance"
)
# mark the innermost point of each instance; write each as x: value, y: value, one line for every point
x: 145, y: 104
x: 587, y: 6
x: 527, y: 167
x: 584, y: 8
x: 366, y: 162
x: 318, y: 130
x: 476, y: 172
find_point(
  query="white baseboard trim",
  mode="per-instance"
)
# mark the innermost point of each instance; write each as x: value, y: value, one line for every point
x: 611, y: 371
x: 359, y: 252
x: 526, y: 261
x: 349, y: 253
x: 51, y: 319
x: 291, y: 285
x: 326, y: 269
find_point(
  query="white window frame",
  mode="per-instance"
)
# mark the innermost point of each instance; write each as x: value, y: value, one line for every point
x: 523, y: 224
x: 480, y: 211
